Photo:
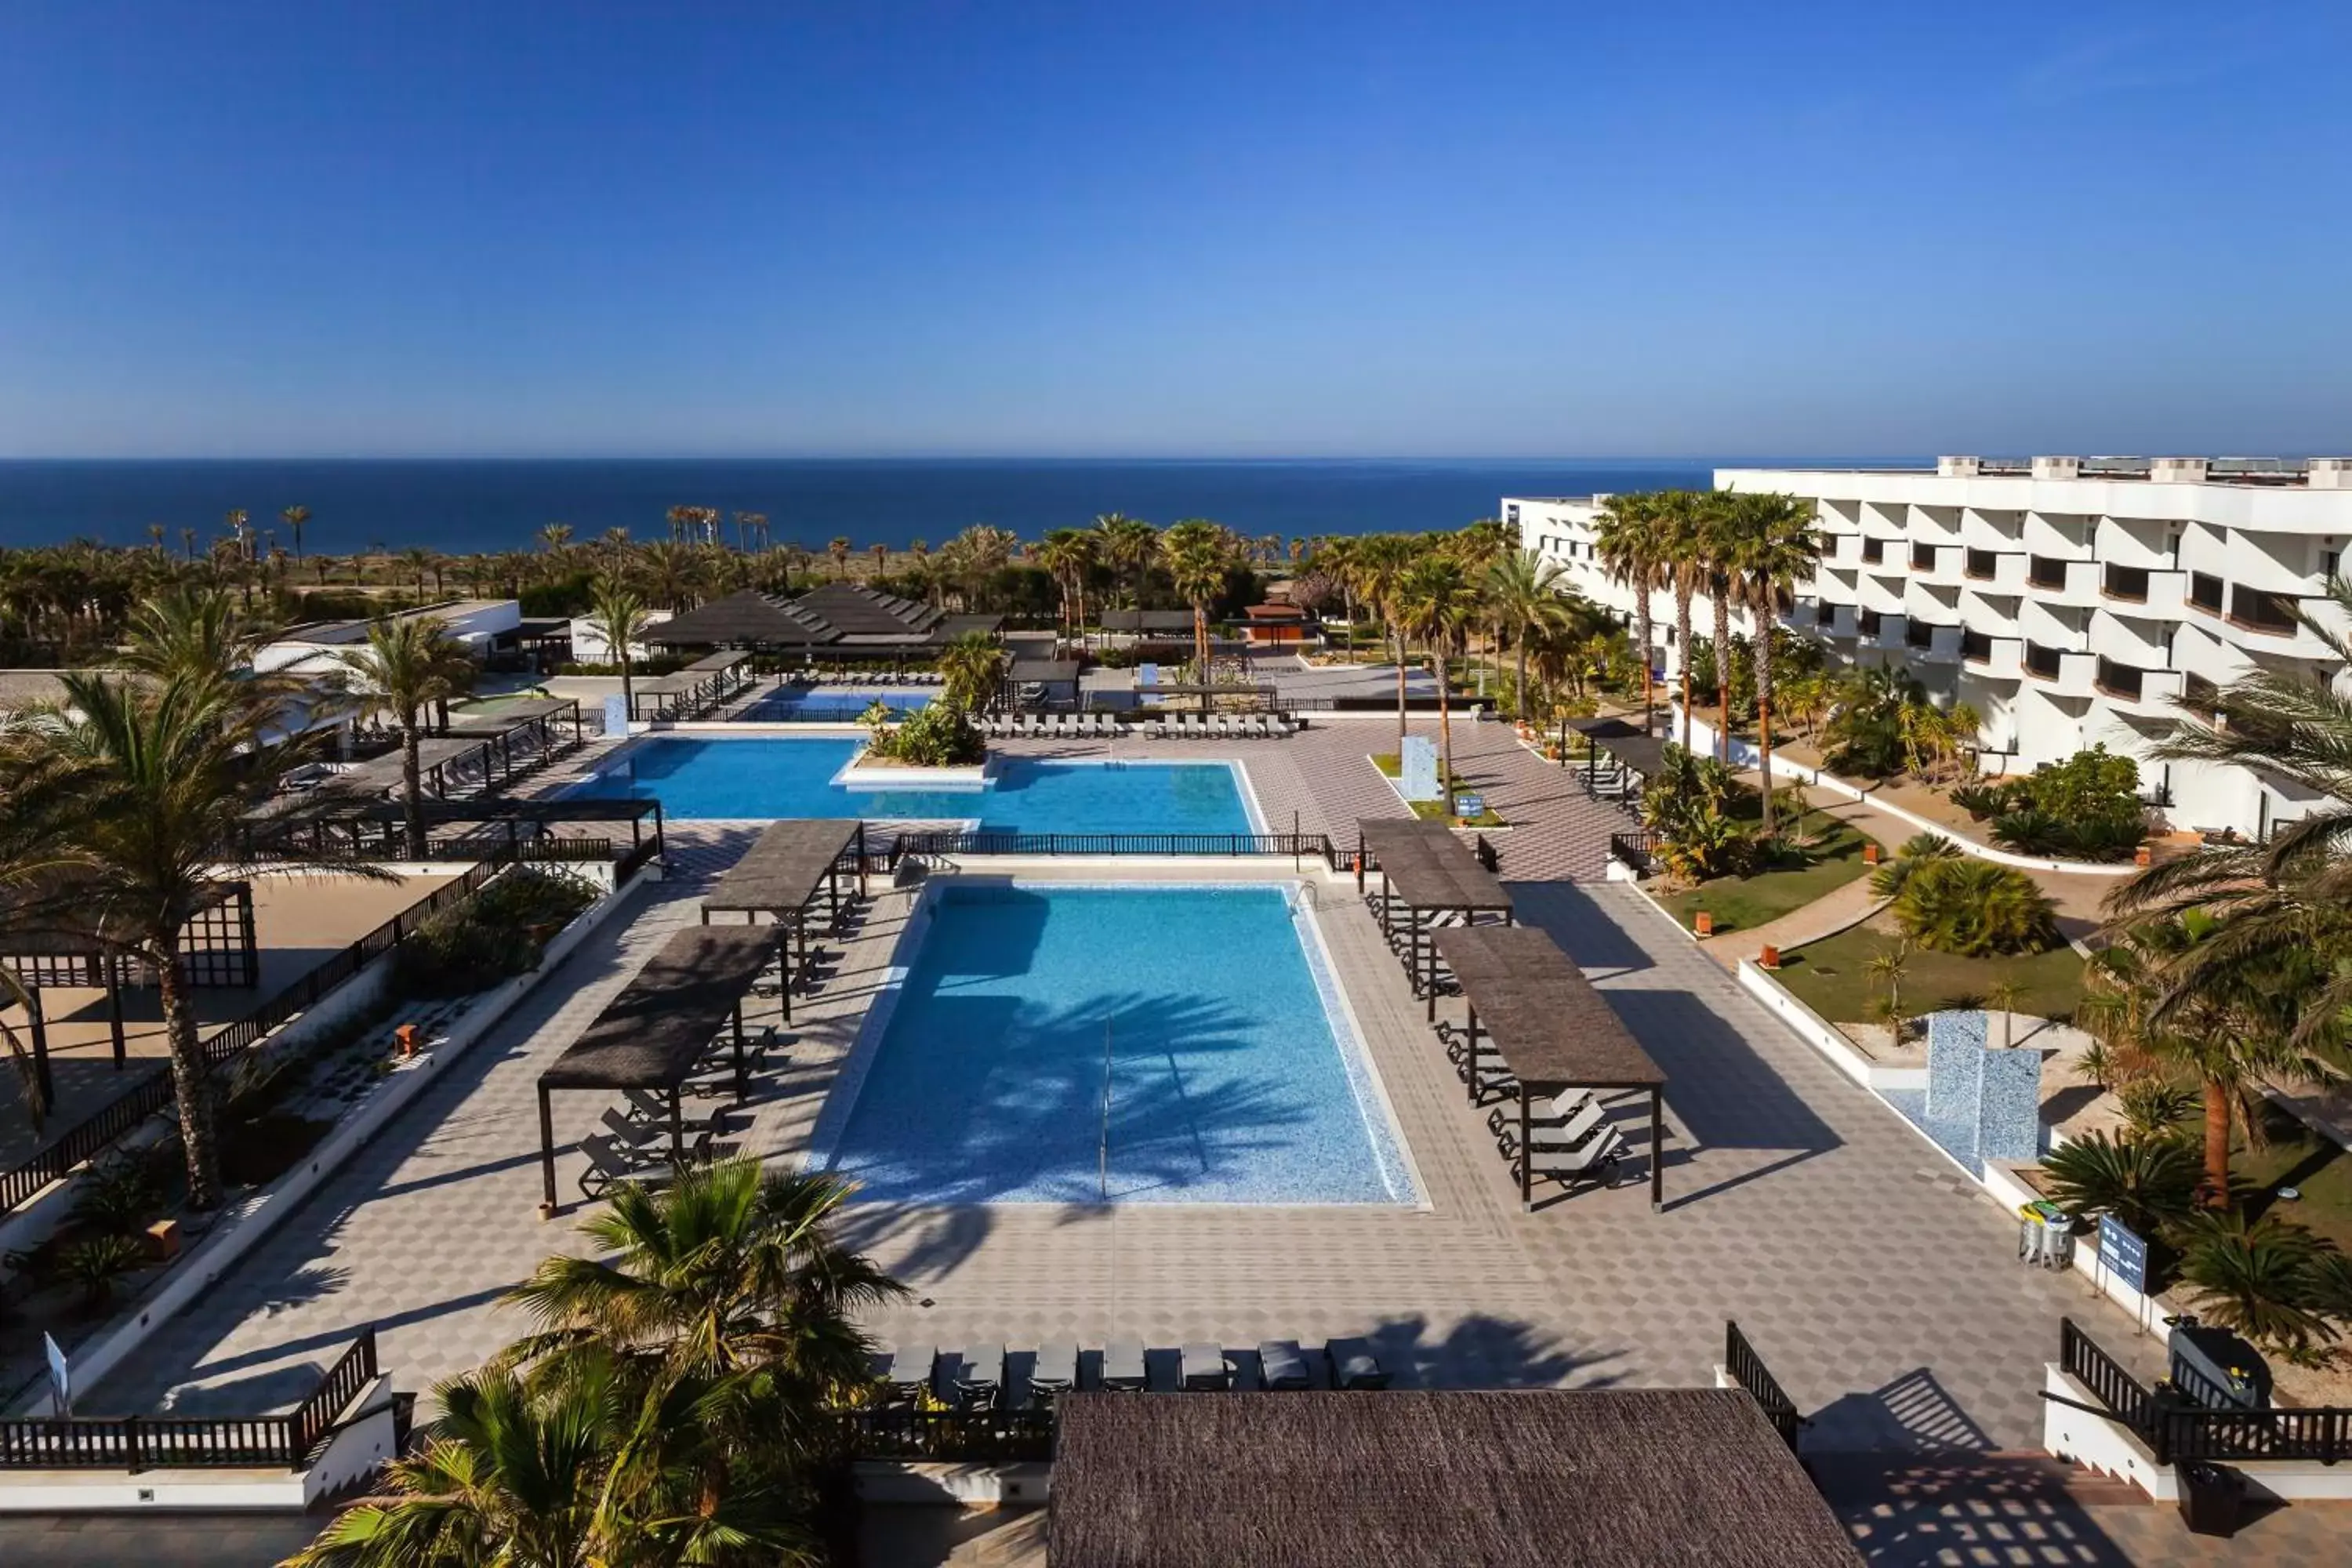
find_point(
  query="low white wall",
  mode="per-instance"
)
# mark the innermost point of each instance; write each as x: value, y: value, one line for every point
x: 2105, y: 1446
x: 360, y: 1446
x: 1747, y: 755
x: 930, y: 1484
x: 114, y: 1492
x: 1809, y: 1025
x: 242, y: 1226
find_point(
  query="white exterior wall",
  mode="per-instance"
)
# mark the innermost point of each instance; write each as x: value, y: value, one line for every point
x: 2022, y: 559
x: 589, y: 647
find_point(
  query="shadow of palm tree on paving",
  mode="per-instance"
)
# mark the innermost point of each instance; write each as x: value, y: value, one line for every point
x: 1025, y: 1121
x: 1483, y: 1351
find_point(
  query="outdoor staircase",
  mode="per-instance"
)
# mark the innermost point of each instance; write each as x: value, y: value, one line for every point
x: 1951, y: 1477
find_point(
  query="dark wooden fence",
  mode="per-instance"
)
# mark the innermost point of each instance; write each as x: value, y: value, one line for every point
x: 135, y: 1443
x: 967, y: 1437
x: 91, y: 1135
x: 1748, y: 1370
x: 1634, y: 849
x: 2177, y: 1431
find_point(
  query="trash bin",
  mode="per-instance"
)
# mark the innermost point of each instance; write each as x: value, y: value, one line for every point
x: 2212, y: 1499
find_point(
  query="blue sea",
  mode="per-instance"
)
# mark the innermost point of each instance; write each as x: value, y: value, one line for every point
x: 458, y: 505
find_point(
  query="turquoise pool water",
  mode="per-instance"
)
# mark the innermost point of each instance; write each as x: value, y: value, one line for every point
x: 1233, y: 1076
x: 695, y: 778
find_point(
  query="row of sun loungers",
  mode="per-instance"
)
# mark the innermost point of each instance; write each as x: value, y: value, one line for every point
x: 1219, y: 727
x: 1052, y: 726
x: 1571, y: 1140
x: 1107, y: 726
x: 871, y: 678
x: 975, y: 1380
x: 637, y: 1145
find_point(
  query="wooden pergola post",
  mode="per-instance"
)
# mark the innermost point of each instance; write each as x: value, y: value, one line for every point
x: 546, y: 1154
x: 39, y: 1020
x: 1657, y: 1148
x: 113, y: 971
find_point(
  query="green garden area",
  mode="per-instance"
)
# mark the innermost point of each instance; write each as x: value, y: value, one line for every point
x: 1834, y: 978
x: 1797, y: 874
x: 1434, y: 810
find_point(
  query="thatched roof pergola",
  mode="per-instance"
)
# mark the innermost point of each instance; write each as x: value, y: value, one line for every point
x: 844, y: 620
x: 1553, y: 1029
x: 1425, y: 871
x: 1520, y: 1478
x: 781, y: 873
x: 651, y: 1035
x: 695, y: 690
x: 1638, y: 754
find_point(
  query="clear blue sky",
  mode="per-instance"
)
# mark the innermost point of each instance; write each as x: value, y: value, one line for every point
x: 1563, y: 229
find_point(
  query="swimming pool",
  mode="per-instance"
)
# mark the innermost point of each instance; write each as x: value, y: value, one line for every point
x: 1233, y: 1073
x: 697, y: 778
x: 829, y: 707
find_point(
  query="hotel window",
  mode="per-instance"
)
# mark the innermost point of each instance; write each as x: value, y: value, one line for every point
x: 2205, y: 591
x: 1919, y: 634
x: 1825, y: 614
x: 2126, y: 583
x: 1510, y: 514
x: 2199, y: 696
x: 1975, y: 646
x: 2120, y: 679
x: 2042, y: 661
x: 1873, y: 550
x: 2262, y: 611
x: 2045, y: 571
x: 1866, y: 622
x: 1981, y: 563
x: 2328, y: 559
x: 1923, y: 558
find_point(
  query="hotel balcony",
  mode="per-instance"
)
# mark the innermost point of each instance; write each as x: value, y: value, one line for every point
x: 2059, y: 672
x: 1991, y: 658
x: 2130, y: 686
x: 2258, y: 620
x: 1880, y: 630
x: 1926, y: 640
x: 1993, y: 571
x: 2060, y: 581
x: 1824, y: 619
x: 1934, y: 562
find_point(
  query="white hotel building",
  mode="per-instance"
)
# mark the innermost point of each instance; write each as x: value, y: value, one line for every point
x: 2069, y: 600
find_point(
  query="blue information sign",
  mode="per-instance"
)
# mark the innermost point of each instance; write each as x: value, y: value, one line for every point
x: 1468, y: 805
x: 2122, y: 1253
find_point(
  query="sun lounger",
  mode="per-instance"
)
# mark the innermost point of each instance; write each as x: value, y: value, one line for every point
x: 631, y: 1134
x: 1282, y: 1364
x: 975, y: 1380
x: 911, y: 1370
x: 609, y: 1162
x: 1594, y: 1159
x: 1205, y: 1369
x: 1505, y: 1117
x: 1354, y: 1366
x: 1123, y: 1367
x: 1548, y: 1139
x: 1055, y: 1373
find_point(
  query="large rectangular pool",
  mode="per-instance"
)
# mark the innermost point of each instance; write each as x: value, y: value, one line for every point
x: 757, y: 778
x: 1081, y: 1044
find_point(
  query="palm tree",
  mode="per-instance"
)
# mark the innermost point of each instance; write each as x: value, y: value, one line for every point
x: 589, y: 1469
x: 240, y: 528
x: 881, y: 553
x: 2236, y: 1026
x: 408, y: 665
x: 620, y: 617
x: 2294, y: 893
x: 1766, y: 544
x: 1678, y: 515
x: 732, y: 1268
x: 555, y: 537
x: 296, y: 518
x: 1198, y: 555
x: 1334, y: 555
x: 161, y: 775
x: 419, y: 560
x: 2003, y: 996
x: 1527, y: 603
x: 1626, y: 537
x: 1887, y: 967
x: 1127, y: 545
x: 197, y: 632
x: 971, y: 667
x: 1064, y: 553
x: 1378, y: 564
x: 839, y: 550
x: 1437, y: 603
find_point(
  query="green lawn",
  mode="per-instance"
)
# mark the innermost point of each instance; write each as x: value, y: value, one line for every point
x: 1832, y: 978
x: 2311, y: 1163
x: 1434, y: 810
x: 1743, y: 903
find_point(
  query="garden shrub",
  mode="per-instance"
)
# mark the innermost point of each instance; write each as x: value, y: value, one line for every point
x: 938, y: 736
x: 500, y: 932
x: 2145, y: 1183
x: 1974, y: 908
x: 1918, y: 850
x: 2087, y: 807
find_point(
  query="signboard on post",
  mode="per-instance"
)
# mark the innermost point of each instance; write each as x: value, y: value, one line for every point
x: 1469, y: 805
x: 2122, y: 1253
x: 60, y: 1378
x: 617, y: 715
x: 1417, y: 768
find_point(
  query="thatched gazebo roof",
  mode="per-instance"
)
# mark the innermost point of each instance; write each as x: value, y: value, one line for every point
x: 1525, y: 1479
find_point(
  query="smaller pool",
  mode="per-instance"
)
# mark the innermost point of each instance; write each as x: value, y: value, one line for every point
x: 823, y: 706
x: 759, y: 777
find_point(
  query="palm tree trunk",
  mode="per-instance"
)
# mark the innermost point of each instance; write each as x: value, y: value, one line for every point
x: 1201, y: 650
x: 1348, y: 598
x: 1400, y: 725
x: 1641, y: 651
x: 1444, y: 730
x: 2213, y: 1192
x: 1681, y: 642
x: 1723, y: 668
x: 628, y: 690
x: 1519, y: 683
x: 1764, y: 721
x: 191, y: 1088
x: 412, y: 787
